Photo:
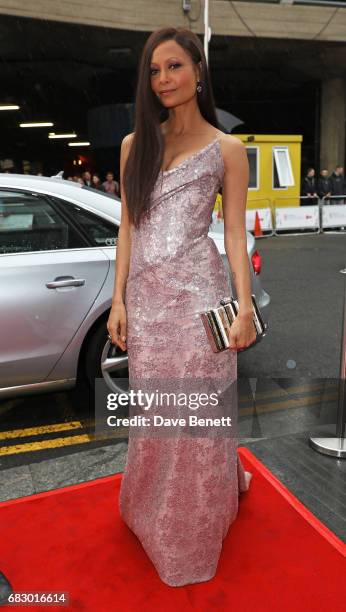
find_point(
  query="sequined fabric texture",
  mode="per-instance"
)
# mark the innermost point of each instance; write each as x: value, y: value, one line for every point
x: 179, y: 495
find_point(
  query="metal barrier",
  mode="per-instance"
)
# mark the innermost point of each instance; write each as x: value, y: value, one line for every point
x: 336, y: 446
x: 335, y: 199
x: 333, y: 214
x: 313, y: 216
x: 304, y: 217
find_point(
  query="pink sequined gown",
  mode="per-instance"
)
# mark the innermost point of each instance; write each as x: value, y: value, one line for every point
x: 179, y: 495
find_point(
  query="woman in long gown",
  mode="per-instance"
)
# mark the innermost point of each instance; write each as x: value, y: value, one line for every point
x: 181, y: 484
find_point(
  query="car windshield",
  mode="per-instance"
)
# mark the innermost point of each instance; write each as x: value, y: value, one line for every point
x: 103, y: 193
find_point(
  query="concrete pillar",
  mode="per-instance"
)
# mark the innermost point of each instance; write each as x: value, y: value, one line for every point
x: 333, y: 108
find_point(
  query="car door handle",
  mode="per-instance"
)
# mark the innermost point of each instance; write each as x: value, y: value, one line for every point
x: 67, y: 282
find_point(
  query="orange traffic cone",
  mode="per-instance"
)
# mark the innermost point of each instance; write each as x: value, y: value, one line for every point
x: 257, y: 229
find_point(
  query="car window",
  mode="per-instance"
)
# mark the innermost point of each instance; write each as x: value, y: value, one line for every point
x: 104, y: 194
x: 29, y: 223
x: 100, y: 231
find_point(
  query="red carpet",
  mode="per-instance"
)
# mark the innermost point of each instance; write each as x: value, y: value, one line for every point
x: 276, y: 556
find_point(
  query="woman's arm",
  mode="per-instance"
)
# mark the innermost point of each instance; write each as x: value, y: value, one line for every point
x: 235, y: 186
x: 116, y: 323
x: 123, y: 248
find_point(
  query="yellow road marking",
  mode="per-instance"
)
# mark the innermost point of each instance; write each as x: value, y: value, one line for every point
x: 33, y: 446
x: 58, y: 442
x: 41, y: 429
x: 292, y: 390
x: 289, y: 403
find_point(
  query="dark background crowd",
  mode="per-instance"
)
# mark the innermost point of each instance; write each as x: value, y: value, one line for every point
x: 327, y: 187
x: 109, y: 186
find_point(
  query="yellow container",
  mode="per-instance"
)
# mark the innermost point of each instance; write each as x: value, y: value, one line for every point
x: 275, y: 175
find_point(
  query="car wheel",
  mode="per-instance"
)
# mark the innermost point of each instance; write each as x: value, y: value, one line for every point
x: 106, y: 360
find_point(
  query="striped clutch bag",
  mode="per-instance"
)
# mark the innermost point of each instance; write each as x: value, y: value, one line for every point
x: 218, y: 320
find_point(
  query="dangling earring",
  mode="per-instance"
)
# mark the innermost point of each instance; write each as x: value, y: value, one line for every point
x: 199, y: 87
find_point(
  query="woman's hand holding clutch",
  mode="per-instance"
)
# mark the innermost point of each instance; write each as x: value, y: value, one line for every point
x: 228, y: 326
x: 242, y: 332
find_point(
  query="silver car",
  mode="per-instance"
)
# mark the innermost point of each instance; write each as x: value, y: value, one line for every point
x: 57, y: 255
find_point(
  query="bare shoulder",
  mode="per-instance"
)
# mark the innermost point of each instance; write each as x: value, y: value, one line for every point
x: 232, y: 148
x: 125, y: 148
x: 127, y: 140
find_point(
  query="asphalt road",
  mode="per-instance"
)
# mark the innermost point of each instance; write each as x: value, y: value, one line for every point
x: 302, y: 276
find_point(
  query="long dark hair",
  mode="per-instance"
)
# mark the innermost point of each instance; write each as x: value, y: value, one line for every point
x: 147, y: 149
